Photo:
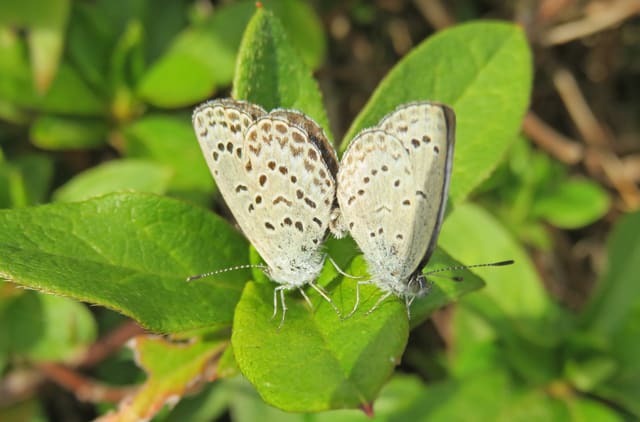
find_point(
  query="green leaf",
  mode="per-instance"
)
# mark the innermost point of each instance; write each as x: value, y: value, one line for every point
x: 203, y: 57
x: 114, y: 176
x: 483, y: 71
x: 129, y: 252
x: 61, y: 133
x: 173, y: 369
x: 170, y: 141
x: 473, y: 236
x: 345, y: 362
x: 272, y: 74
x: 25, y: 180
x: 618, y: 292
x: 572, y: 204
x: 46, y: 328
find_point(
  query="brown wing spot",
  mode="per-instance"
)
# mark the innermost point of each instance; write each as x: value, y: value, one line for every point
x: 436, y: 149
x: 396, y: 183
x: 415, y: 143
x: 406, y: 202
x: 215, y: 172
x: 271, y: 165
x: 283, y: 170
x: 310, y: 202
x: 313, y: 155
x: 262, y: 179
x: 366, y: 179
x: 384, y: 168
x: 287, y: 221
x: 265, y: 126
x: 308, y: 166
x: 255, y: 149
x: 317, y: 221
x: 297, y: 137
x: 374, y: 172
x: 299, y: 194
x: 281, y: 128
x: 426, y: 139
x: 351, y: 225
x: 258, y: 199
x: 234, y: 128
x: 294, y: 179
x: 281, y: 198
x: 215, y: 155
x: 253, y: 136
x: 241, y: 188
x: 361, y: 192
x: 221, y: 146
x: 420, y: 193
x: 403, y: 129
x: 372, y: 234
x: 322, y: 173
x: 251, y: 208
x: 399, y: 236
x: 239, y: 152
x: 248, y: 167
x: 296, y: 151
x: 269, y: 226
x: 327, y: 202
x: 380, y: 230
x: 317, y: 181
x: 327, y: 182
x: 299, y: 226
x: 351, y: 199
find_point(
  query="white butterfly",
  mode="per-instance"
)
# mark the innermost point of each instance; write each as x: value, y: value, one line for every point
x: 276, y: 172
x: 392, y: 190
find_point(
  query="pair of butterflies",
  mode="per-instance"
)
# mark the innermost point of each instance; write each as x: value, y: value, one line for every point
x: 280, y: 178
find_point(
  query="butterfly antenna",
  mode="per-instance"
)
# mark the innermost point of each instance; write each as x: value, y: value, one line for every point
x: 340, y: 271
x: 225, y: 270
x: 464, y: 267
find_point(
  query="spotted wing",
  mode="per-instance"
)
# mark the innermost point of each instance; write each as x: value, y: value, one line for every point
x: 220, y: 127
x: 378, y: 202
x: 427, y: 132
x: 291, y: 183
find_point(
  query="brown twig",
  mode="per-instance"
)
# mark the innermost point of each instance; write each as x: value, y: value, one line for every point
x: 599, y: 16
x: 435, y: 13
x: 84, y: 388
x: 110, y: 343
x: 593, y: 133
x: 559, y: 146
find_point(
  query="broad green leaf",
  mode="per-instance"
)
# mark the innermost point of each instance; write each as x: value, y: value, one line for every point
x: 25, y: 180
x: 61, y: 133
x: 271, y: 73
x: 170, y: 141
x: 173, y: 370
x: 617, y: 294
x: 46, y: 328
x: 473, y: 236
x: 482, y: 70
x: 573, y: 204
x: 344, y: 362
x: 585, y: 409
x: 129, y: 252
x: 208, y: 405
x: 202, y: 58
x: 114, y: 176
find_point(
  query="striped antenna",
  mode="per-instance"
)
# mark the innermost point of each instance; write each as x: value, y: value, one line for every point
x: 225, y: 270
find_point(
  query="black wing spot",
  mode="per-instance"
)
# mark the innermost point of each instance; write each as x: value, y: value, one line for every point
x: 269, y: 226
x: 299, y: 226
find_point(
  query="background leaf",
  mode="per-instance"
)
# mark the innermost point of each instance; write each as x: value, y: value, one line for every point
x: 129, y: 252
x: 463, y: 67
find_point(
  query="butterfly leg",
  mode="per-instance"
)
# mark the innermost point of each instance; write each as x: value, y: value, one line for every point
x: 284, y: 305
x: 326, y: 297
x: 355, y: 305
x: 408, y: 301
x: 306, y: 298
x: 379, y: 302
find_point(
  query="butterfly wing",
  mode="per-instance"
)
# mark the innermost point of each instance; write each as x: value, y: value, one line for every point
x: 427, y: 132
x: 292, y: 191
